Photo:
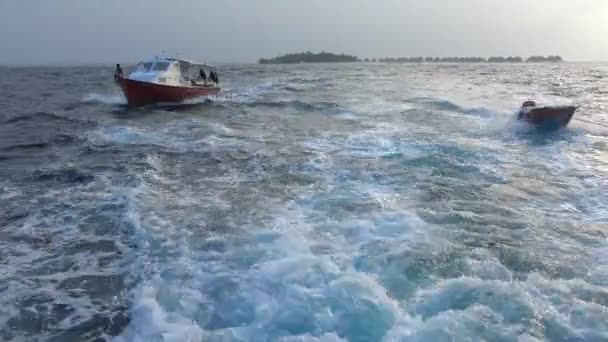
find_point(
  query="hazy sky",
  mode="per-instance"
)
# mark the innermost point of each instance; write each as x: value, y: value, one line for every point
x: 123, y: 31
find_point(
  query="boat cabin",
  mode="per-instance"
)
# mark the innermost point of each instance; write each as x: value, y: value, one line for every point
x: 170, y: 72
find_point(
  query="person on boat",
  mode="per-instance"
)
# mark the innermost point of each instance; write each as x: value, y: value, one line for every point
x: 213, y: 76
x: 203, y: 75
x: 529, y: 103
x: 525, y: 107
x: 118, y: 72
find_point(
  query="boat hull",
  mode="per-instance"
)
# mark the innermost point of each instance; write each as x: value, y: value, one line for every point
x: 143, y: 93
x: 549, y: 117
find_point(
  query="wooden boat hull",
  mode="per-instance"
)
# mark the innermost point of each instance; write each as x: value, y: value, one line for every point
x: 143, y: 93
x: 548, y: 117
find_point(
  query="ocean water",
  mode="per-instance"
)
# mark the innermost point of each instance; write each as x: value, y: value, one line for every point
x: 352, y: 202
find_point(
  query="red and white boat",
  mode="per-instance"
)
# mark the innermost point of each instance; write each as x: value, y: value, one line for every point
x: 166, y: 80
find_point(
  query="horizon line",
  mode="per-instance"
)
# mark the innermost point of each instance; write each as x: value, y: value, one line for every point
x: 361, y: 60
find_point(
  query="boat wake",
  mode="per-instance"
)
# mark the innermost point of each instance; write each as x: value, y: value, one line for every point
x: 252, y: 93
x: 449, y: 106
x: 107, y: 99
x: 360, y: 202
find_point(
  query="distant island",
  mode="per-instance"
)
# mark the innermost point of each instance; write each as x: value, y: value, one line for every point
x: 327, y: 57
x: 510, y: 59
x: 310, y: 57
x: 552, y: 59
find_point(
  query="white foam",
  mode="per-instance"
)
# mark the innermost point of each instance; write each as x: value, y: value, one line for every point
x: 294, y: 280
x: 329, y: 337
x: 180, y: 136
x: 110, y: 99
x: 252, y: 93
x: 347, y: 116
x: 155, y: 324
x: 342, y: 259
x: 292, y: 284
x: 9, y: 192
x: 289, y: 285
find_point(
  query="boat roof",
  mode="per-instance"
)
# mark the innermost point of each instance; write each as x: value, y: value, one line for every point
x: 179, y: 60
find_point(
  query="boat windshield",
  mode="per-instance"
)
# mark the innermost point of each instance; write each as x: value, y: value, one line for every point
x: 160, y: 66
x: 144, y: 66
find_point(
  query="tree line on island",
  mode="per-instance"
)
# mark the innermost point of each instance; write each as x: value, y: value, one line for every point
x: 510, y: 59
x: 309, y: 57
x: 327, y: 57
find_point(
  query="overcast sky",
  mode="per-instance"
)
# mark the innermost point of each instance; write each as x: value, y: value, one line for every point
x: 123, y: 31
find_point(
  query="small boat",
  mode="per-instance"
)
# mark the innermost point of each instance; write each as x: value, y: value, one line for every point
x: 170, y: 80
x: 548, y: 117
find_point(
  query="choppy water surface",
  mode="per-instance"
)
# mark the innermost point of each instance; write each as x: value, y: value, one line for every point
x: 306, y: 203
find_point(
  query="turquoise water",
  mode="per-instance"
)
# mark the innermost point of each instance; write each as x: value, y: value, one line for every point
x: 361, y: 202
